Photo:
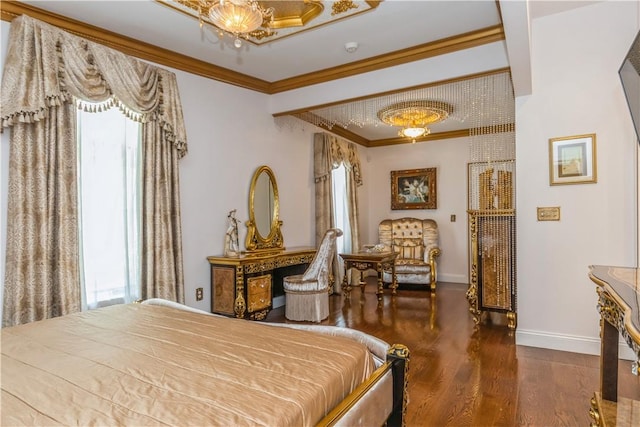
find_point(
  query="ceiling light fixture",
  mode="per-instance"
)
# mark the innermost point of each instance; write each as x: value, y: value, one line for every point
x: 414, y: 116
x: 236, y: 17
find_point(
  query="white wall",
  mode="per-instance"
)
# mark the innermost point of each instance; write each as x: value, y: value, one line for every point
x: 576, y: 90
x: 450, y: 158
x: 230, y: 135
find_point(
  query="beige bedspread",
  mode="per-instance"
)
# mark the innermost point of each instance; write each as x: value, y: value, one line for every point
x: 150, y: 365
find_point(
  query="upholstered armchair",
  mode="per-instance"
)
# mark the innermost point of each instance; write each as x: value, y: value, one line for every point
x: 307, y: 295
x: 416, y: 242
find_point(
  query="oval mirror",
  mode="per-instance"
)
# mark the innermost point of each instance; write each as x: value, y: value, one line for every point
x: 263, y: 198
x: 264, y: 208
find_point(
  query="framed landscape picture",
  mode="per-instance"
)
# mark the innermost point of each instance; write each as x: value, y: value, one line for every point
x: 572, y: 160
x: 414, y: 189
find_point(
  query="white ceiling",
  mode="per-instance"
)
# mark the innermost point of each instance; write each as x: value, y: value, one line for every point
x: 392, y: 26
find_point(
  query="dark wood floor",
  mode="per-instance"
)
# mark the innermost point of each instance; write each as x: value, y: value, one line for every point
x: 461, y: 376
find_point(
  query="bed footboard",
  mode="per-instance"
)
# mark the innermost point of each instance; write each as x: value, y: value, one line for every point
x: 381, y: 400
x: 399, y: 356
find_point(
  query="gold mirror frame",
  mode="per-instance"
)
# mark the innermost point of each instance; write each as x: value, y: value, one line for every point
x: 255, y: 242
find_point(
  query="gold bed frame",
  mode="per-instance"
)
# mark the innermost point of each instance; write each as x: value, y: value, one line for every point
x: 398, y: 364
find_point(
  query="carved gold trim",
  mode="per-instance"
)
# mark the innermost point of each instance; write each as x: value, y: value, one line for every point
x: 342, y: 6
x: 433, y: 254
x: 594, y: 413
x: 472, y: 291
x: 614, y: 313
x: 12, y: 9
x: 512, y: 319
x: 240, y: 304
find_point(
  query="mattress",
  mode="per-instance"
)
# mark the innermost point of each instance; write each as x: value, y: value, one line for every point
x: 141, y: 364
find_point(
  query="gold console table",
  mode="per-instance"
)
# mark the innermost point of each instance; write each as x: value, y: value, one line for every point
x: 244, y: 286
x: 618, y: 304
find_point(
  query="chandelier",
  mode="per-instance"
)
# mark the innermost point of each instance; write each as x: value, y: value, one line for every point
x: 236, y: 17
x: 413, y: 117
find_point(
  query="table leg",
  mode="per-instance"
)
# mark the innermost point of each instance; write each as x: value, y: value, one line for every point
x: 609, y: 361
x: 346, y: 287
x: 394, y: 279
x: 380, y: 291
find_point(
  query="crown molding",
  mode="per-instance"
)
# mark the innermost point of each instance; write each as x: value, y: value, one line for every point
x: 11, y: 9
x: 460, y: 133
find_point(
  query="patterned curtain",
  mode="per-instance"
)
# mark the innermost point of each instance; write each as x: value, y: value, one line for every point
x: 46, y: 71
x: 329, y: 153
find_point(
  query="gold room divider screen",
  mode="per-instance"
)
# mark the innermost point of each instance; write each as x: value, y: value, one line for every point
x: 491, y: 205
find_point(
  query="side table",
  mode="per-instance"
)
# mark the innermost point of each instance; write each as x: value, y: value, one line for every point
x: 363, y: 261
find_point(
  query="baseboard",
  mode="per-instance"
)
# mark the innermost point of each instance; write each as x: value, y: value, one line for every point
x: 452, y: 278
x: 442, y: 277
x: 571, y: 343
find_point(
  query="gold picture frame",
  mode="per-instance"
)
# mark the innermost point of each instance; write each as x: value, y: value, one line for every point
x: 414, y: 189
x: 572, y: 160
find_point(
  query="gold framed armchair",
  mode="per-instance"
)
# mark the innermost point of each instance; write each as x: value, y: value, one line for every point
x: 416, y: 242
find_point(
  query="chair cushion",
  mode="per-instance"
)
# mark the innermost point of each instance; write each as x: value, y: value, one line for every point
x: 413, y: 268
x: 411, y: 262
x: 297, y: 283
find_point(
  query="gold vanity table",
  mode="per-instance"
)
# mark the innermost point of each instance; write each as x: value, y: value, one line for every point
x: 362, y: 261
x: 244, y: 286
x: 618, y: 304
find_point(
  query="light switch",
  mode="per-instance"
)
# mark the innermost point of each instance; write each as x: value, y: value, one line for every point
x: 453, y: 218
x: 551, y: 213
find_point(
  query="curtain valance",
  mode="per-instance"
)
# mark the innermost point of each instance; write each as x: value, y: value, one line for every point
x: 46, y: 66
x: 339, y: 152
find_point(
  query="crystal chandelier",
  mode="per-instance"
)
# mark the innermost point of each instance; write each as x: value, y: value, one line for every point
x: 236, y: 17
x: 413, y: 117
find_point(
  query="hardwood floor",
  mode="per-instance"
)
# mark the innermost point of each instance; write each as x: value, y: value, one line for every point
x: 461, y: 376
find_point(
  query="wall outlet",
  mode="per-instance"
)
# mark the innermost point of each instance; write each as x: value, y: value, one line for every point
x: 199, y: 294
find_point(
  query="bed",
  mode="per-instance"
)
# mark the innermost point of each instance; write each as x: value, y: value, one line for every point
x: 162, y: 363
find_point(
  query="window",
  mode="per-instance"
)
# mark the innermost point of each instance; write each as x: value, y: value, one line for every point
x: 109, y: 192
x: 341, y: 211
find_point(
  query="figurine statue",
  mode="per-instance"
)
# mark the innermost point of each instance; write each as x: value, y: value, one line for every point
x: 231, y: 243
